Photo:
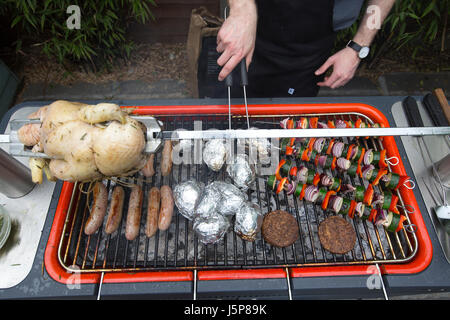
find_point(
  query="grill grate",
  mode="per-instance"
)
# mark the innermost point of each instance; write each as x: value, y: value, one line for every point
x: 178, y: 248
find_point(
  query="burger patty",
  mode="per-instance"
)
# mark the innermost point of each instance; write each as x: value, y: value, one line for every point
x: 279, y: 228
x: 337, y: 235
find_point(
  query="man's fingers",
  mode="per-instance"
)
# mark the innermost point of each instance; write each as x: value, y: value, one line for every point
x: 220, y: 47
x: 328, y: 82
x: 325, y: 66
x: 224, y: 57
x: 229, y: 66
x: 249, y: 57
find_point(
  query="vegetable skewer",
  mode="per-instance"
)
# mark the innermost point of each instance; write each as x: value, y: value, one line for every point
x: 361, y: 202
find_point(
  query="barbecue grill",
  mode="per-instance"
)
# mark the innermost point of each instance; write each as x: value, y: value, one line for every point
x: 176, y: 260
x: 178, y: 252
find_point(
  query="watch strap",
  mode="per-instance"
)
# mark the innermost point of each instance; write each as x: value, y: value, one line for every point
x: 352, y: 44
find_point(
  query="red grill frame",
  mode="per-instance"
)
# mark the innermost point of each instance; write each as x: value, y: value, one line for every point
x: 419, y: 263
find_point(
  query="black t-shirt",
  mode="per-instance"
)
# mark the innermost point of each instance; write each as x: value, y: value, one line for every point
x: 293, y: 39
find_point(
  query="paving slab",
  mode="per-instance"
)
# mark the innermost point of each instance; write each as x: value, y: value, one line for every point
x: 411, y: 83
x: 112, y: 90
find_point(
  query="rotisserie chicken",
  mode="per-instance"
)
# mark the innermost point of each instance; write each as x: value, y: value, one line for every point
x: 85, y: 142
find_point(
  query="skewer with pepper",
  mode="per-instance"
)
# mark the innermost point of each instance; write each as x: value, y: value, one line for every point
x: 358, y: 201
x: 390, y: 180
x: 333, y: 152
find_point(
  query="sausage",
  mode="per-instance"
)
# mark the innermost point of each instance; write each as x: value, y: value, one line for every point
x: 154, y: 198
x: 115, y: 210
x: 98, y: 210
x: 166, y: 161
x: 166, y: 210
x: 134, y: 213
x: 148, y: 170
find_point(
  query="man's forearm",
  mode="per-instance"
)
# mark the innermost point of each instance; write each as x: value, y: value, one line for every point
x: 236, y: 5
x: 367, y: 29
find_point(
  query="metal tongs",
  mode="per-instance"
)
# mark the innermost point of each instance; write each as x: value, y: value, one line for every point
x: 244, y: 83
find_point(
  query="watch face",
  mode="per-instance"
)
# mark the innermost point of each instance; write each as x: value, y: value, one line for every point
x: 364, y: 52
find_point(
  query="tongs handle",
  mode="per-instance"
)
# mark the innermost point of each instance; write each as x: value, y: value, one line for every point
x: 243, y: 74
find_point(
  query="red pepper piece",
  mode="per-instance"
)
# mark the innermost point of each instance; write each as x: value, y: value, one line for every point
x: 333, y: 163
x: 330, y: 146
x: 349, y: 152
x: 393, y: 205
x: 316, y: 179
x: 281, y: 185
x: 326, y: 199
x: 368, y: 195
x: 372, y: 215
x: 277, y: 173
x: 351, y: 211
x: 401, y: 181
x: 302, y: 193
x: 382, y: 163
x: 313, y: 122
x: 380, y: 174
x: 311, y: 143
x: 400, y: 223
x: 289, y: 151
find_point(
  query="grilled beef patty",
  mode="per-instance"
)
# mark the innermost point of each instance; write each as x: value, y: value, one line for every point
x: 337, y: 235
x: 279, y: 228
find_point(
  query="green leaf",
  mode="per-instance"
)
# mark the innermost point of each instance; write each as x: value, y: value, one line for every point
x: 16, y: 20
x: 429, y: 8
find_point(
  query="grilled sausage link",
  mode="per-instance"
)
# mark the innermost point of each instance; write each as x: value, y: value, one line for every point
x: 154, y: 198
x: 166, y: 159
x: 148, y: 170
x: 98, y: 210
x: 115, y: 210
x: 134, y: 213
x: 166, y: 210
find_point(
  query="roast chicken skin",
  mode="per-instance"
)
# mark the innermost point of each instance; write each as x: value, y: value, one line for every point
x: 86, y: 142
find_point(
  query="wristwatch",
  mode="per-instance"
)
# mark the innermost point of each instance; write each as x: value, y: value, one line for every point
x: 362, y: 51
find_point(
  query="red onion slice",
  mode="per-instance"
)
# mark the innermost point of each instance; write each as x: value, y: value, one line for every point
x: 377, y: 198
x: 326, y: 180
x: 322, y: 125
x: 368, y: 157
x: 359, y: 209
x: 347, y: 188
x: 367, y: 171
x: 380, y: 217
x: 283, y: 123
x: 354, y: 151
x: 386, y: 178
x: 289, y: 187
x: 311, y: 193
x: 335, y: 203
x: 340, y: 124
x: 338, y: 147
x: 322, y: 160
x: 302, y: 174
x: 318, y: 144
x: 343, y: 163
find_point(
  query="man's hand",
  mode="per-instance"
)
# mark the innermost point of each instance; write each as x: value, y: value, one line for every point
x: 344, y: 63
x: 236, y: 37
